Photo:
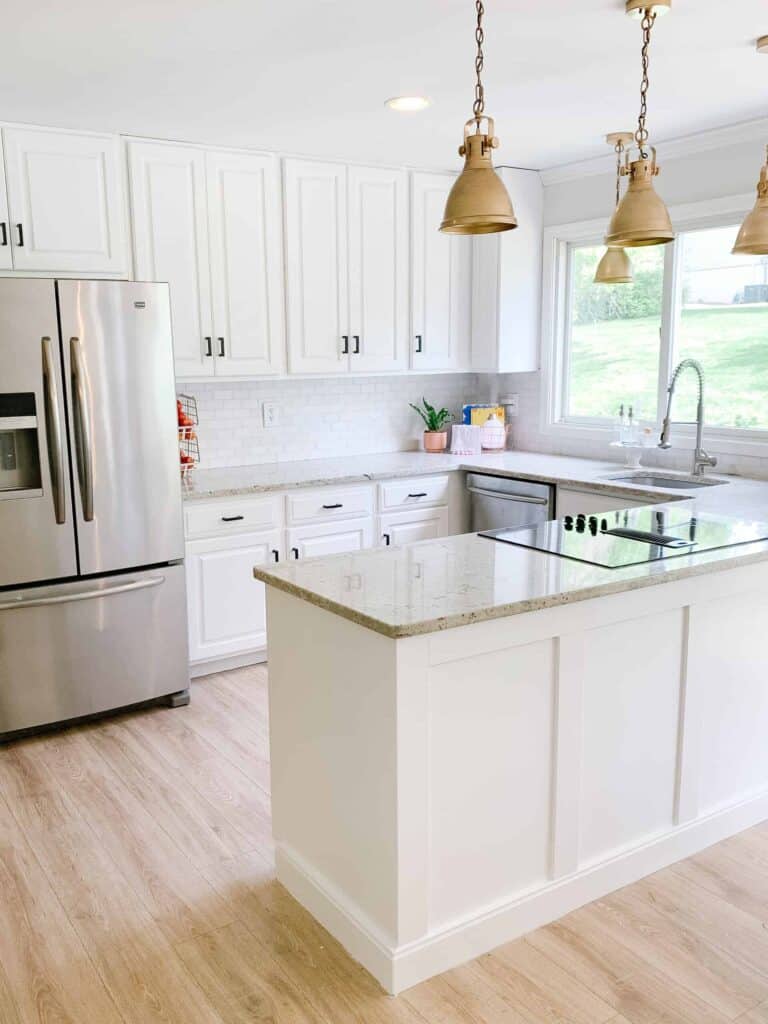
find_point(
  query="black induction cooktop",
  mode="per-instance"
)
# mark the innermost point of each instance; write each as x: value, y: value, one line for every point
x: 633, y: 536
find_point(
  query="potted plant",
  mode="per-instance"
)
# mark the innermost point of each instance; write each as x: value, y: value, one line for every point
x: 436, y: 421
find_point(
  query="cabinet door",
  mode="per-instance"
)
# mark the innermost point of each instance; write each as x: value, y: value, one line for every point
x: 6, y: 257
x: 329, y: 538
x: 441, y: 281
x: 170, y: 235
x: 316, y: 266
x: 226, y: 605
x: 378, y: 268
x: 67, y: 205
x: 417, y: 524
x: 245, y: 214
x: 573, y: 502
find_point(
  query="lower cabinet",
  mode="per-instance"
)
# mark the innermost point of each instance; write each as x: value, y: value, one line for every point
x: 329, y: 538
x: 572, y: 502
x: 226, y: 605
x: 412, y: 525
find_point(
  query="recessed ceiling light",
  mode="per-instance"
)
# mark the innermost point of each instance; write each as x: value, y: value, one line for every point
x: 408, y: 103
x: 762, y: 44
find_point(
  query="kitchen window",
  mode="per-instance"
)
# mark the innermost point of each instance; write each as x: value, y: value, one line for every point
x: 618, y: 344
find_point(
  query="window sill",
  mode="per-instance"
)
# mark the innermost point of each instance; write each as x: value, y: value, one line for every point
x: 752, y: 443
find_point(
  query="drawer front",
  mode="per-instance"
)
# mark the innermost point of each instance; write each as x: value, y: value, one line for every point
x: 324, y: 504
x: 403, y: 494
x: 229, y: 515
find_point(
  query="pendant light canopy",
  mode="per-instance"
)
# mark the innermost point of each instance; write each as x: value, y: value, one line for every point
x: 641, y: 218
x: 614, y: 267
x: 478, y: 203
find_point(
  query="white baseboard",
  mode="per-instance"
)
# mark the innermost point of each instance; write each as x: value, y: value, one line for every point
x: 207, y: 668
x: 399, y: 968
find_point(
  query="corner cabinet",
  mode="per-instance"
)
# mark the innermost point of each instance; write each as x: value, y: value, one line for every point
x: 347, y: 267
x: 441, y: 280
x: 506, y: 283
x: 62, y: 207
x: 209, y: 223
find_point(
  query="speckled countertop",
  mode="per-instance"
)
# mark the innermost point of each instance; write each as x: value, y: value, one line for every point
x: 435, y: 585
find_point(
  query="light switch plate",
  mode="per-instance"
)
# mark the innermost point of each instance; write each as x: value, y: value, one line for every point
x: 270, y: 413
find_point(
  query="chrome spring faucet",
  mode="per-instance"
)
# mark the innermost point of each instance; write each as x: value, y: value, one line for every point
x: 700, y: 458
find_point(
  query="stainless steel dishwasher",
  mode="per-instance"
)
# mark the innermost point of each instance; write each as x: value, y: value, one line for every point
x: 498, y: 501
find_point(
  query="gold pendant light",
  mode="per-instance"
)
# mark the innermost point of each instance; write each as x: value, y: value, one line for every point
x: 478, y: 203
x: 614, y: 267
x: 641, y: 218
x: 752, y: 238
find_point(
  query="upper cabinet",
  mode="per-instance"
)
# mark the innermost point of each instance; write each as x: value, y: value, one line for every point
x: 65, y: 210
x: 441, y: 291
x: 347, y: 267
x: 209, y: 224
x: 506, y: 282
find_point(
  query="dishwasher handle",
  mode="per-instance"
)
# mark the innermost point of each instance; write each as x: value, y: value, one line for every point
x: 506, y: 496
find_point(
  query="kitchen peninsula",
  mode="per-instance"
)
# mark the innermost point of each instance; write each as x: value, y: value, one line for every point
x: 481, y: 737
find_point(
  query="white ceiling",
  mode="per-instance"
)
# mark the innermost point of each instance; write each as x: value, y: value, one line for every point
x: 310, y: 76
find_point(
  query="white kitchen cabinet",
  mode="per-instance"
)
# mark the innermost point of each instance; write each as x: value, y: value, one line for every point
x: 329, y: 538
x: 506, y: 283
x: 377, y: 207
x: 226, y: 605
x: 441, y: 280
x: 316, y: 266
x: 6, y: 253
x: 397, y: 528
x: 66, y: 205
x: 572, y: 502
x: 170, y: 235
x: 245, y: 234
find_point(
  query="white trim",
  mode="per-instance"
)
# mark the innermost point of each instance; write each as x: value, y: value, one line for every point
x: 197, y: 669
x: 685, y: 217
x: 397, y: 968
x: 671, y: 149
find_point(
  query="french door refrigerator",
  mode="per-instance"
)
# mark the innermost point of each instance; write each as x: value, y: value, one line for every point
x: 92, y: 593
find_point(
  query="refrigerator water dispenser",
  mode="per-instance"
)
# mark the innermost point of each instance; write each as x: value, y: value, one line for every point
x: 20, y: 475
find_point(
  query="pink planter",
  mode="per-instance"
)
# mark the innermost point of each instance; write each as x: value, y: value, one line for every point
x: 435, y: 440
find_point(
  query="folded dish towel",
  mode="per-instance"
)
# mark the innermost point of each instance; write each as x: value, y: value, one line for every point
x: 465, y: 440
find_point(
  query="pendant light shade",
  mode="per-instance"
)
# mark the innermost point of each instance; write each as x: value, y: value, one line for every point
x: 478, y: 203
x: 752, y: 238
x: 641, y: 218
x: 614, y: 268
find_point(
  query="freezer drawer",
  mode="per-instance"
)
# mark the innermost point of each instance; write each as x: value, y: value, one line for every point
x: 89, y: 646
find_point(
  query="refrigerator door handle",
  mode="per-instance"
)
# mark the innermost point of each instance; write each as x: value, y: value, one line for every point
x: 83, y: 595
x: 53, y: 429
x: 80, y: 401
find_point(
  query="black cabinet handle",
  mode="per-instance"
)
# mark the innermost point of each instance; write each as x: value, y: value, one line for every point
x: 276, y: 554
x: 208, y: 346
x: 387, y: 539
x: 221, y: 346
x: 337, y: 505
x: 356, y: 339
x: 345, y: 339
x: 4, y: 232
x: 419, y: 346
x: 20, y: 230
x: 421, y: 494
x: 231, y: 519
x: 295, y: 552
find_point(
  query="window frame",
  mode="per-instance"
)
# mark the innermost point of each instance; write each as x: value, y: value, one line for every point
x: 556, y: 315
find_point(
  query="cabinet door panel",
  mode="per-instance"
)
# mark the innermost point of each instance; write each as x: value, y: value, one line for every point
x: 65, y: 194
x: 244, y: 206
x: 6, y: 252
x: 572, y: 502
x: 378, y: 268
x: 407, y: 527
x: 441, y: 281
x: 316, y: 259
x: 227, y: 606
x: 330, y: 538
x: 170, y: 232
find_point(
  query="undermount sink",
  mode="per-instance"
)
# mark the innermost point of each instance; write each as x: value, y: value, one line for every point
x: 675, y: 483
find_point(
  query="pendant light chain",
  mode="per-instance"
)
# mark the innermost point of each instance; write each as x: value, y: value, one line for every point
x: 641, y: 135
x: 619, y: 151
x: 479, y: 105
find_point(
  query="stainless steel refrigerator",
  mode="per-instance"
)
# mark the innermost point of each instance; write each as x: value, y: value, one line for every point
x: 92, y: 593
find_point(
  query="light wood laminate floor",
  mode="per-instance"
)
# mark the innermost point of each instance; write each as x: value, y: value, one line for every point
x: 136, y: 886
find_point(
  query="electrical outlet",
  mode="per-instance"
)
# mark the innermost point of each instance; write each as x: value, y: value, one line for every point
x: 511, y: 403
x: 271, y: 414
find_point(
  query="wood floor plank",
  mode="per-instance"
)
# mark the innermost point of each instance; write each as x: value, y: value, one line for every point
x: 757, y: 1016
x: 737, y: 881
x: 463, y: 996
